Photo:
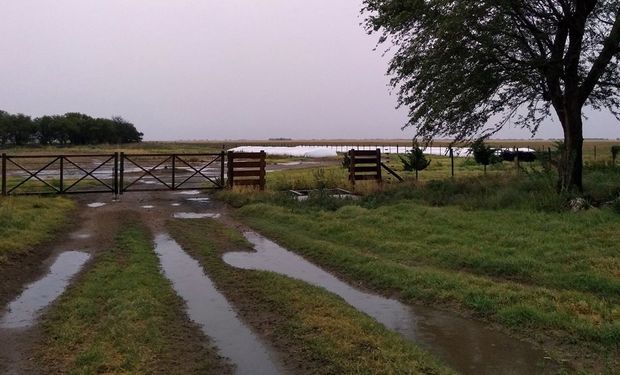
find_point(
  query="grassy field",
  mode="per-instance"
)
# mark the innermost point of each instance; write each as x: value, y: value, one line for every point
x: 28, y: 221
x: 317, y: 330
x: 122, y: 317
x: 499, y: 248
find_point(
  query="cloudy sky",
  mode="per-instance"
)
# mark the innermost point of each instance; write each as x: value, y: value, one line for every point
x: 208, y: 69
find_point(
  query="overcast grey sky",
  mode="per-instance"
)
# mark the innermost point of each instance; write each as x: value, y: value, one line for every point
x: 216, y: 69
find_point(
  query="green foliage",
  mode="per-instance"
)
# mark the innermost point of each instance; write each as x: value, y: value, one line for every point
x: 70, y: 128
x: 484, y: 154
x: 346, y: 161
x: 414, y: 160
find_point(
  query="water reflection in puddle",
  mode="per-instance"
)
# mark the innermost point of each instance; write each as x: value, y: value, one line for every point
x: 466, y: 345
x: 23, y: 311
x: 189, y: 192
x: 210, y: 309
x: 148, y: 206
x: 194, y: 215
x: 175, y: 204
x: 96, y: 204
x: 198, y: 199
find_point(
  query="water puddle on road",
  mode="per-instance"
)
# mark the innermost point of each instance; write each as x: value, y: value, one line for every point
x: 96, y: 204
x: 466, y: 345
x: 148, y: 207
x: 194, y: 215
x: 23, y: 311
x: 189, y: 192
x: 209, y: 308
x: 199, y: 199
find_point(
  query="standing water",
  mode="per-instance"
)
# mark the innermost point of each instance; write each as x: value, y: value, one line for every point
x: 210, y: 309
x: 466, y: 345
x: 23, y: 311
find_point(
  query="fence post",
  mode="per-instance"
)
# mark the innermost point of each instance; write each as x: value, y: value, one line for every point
x: 379, y: 178
x: 174, y: 164
x: 62, y: 173
x: 352, y: 166
x: 263, y: 165
x: 222, y: 157
x: 452, y: 161
x: 121, y: 185
x: 3, y: 174
x: 594, y: 152
x: 231, y: 159
x: 116, y: 175
x: 517, y: 159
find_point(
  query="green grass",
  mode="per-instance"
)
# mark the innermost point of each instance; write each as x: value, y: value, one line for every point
x: 27, y: 221
x: 312, y: 326
x: 123, y: 317
x: 547, y: 274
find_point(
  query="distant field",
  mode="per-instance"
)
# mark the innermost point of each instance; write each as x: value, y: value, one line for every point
x: 602, y: 147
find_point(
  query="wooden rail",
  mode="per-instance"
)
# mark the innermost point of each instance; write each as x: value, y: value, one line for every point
x: 365, y: 165
x: 246, y: 169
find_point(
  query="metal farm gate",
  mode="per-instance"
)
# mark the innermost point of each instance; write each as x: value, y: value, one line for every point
x: 114, y: 173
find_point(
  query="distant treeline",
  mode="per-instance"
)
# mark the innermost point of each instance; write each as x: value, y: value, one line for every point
x: 70, y: 128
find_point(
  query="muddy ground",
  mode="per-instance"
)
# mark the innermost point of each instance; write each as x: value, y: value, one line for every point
x: 92, y: 230
x: 89, y: 230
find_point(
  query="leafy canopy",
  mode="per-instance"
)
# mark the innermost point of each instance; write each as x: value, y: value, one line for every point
x: 459, y: 64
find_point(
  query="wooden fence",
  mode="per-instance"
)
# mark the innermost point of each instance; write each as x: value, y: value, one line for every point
x: 246, y: 169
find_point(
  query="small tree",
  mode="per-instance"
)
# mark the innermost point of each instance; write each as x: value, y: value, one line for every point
x: 614, y: 153
x: 415, y: 160
x: 484, y: 154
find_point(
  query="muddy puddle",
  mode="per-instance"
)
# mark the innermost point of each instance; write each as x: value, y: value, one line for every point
x: 467, y: 346
x: 96, y: 204
x: 210, y: 309
x: 195, y: 215
x: 205, y: 199
x: 188, y: 192
x: 24, y: 310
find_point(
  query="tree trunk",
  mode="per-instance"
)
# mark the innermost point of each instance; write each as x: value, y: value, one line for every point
x: 570, y: 167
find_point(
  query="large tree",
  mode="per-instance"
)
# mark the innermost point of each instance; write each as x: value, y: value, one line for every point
x: 467, y: 68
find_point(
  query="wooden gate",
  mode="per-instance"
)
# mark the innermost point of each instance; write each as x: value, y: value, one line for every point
x: 59, y: 174
x: 152, y: 172
x: 110, y: 173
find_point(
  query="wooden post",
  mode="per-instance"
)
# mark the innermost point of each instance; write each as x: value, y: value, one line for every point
x: 116, y: 174
x: 352, y: 166
x: 379, y: 179
x: 263, y: 165
x: 594, y: 152
x: 62, y: 174
x: 517, y: 159
x: 121, y: 184
x: 231, y: 158
x: 222, y: 161
x: 3, y: 174
x: 174, y: 164
x: 452, y: 161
